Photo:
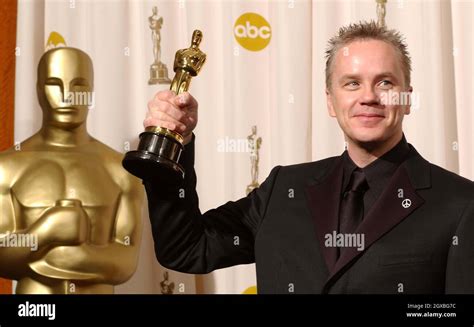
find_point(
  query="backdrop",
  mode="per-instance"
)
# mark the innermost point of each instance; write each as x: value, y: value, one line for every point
x: 265, y: 67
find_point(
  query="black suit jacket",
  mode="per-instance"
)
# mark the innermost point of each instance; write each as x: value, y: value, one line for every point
x: 427, y: 247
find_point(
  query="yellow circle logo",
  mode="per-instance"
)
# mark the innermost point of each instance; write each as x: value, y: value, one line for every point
x: 251, y: 290
x: 252, y: 31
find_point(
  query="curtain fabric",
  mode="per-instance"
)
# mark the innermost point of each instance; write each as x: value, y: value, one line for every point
x: 8, y: 12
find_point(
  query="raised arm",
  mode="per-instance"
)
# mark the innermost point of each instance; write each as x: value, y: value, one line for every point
x: 191, y: 242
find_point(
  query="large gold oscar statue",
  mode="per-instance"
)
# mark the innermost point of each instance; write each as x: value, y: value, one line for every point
x: 70, y: 215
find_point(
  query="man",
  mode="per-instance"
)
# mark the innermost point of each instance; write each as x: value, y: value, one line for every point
x: 69, y: 192
x: 377, y: 219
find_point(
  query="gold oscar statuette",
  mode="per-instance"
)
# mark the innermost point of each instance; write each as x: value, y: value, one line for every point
x: 159, y: 148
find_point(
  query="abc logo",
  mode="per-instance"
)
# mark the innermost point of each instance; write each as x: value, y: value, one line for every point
x: 252, y: 31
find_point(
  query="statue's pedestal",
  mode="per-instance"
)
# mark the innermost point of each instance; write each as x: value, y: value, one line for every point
x: 159, y: 74
x: 251, y: 187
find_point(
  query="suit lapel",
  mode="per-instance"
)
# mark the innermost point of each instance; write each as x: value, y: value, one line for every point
x: 390, y: 209
x: 397, y: 202
x: 323, y: 200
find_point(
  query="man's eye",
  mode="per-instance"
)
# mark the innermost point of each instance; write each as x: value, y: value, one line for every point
x: 385, y: 83
x: 352, y: 84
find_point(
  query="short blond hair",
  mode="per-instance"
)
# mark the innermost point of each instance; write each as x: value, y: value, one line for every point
x: 367, y: 31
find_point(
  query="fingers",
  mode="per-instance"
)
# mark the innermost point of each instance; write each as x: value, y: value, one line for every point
x: 165, y: 95
x: 167, y: 110
x: 182, y: 101
x: 185, y: 100
x: 155, y: 109
x: 171, y: 124
x: 164, y: 120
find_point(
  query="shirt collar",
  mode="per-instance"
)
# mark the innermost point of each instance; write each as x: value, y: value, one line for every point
x: 381, y: 168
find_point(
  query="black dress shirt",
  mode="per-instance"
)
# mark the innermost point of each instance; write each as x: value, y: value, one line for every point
x: 377, y: 173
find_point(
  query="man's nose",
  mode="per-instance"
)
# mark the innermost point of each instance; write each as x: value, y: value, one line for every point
x: 369, y: 97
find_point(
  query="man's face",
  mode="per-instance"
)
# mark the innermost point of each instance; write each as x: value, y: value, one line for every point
x: 363, y: 74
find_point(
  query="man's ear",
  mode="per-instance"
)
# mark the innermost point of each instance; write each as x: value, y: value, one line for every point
x: 408, y: 107
x: 330, y: 105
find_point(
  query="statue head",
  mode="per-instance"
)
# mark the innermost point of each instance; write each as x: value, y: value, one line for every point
x: 254, y: 129
x: 155, y: 10
x: 65, y: 86
x: 197, y: 37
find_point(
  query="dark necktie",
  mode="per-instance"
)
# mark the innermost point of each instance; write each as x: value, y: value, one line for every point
x: 352, y: 204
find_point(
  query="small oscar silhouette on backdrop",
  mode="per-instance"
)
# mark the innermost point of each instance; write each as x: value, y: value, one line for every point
x: 167, y: 287
x: 158, y: 70
x: 254, y: 143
